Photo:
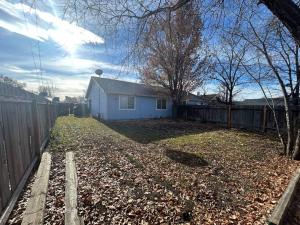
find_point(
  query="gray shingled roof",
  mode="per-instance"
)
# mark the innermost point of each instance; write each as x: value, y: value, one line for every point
x: 113, y: 86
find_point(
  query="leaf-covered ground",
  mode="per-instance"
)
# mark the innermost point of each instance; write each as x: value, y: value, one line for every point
x: 166, y: 172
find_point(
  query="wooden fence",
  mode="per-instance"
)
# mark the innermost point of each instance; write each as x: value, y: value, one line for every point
x: 25, y: 123
x: 257, y: 118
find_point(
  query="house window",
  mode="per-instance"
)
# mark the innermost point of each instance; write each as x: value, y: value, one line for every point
x: 161, y: 103
x: 127, y: 102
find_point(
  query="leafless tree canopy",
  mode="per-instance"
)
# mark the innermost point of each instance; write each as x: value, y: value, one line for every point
x: 275, y: 55
x: 229, y: 72
x: 12, y: 82
x: 109, y: 13
x: 173, y: 53
x: 47, y: 90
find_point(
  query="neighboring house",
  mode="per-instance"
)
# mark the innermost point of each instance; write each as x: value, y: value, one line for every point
x: 111, y: 99
x: 55, y: 99
x: 192, y: 99
x: 210, y: 99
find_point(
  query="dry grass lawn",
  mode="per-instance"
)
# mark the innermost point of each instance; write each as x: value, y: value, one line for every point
x: 166, y: 172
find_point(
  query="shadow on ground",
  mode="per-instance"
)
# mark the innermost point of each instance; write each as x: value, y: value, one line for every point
x: 188, y: 159
x: 148, y: 131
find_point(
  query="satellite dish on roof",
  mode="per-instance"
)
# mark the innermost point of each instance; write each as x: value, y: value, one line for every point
x: 98, y: 72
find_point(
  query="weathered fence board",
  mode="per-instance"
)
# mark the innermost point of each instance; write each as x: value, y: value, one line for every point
x: 5, y: 215
x: 34, y: 213
x: 258, y: 118
x: 71, y: 214
x: 25, y: 123
x: 284, y: 202
x: 4, y: 177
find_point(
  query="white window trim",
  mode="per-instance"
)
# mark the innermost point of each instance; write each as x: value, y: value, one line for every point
x: 127, y: 96
x: 166, y: 103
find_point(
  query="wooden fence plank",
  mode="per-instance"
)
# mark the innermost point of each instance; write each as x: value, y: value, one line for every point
x: 36, y: 129
x: 280, y: 210
x: 71, y: 215
x: 4, y: 173
x: 5, y: 215
x: 264, y: 121
x: 242, y: 116
x: 22, y: 125
x: 11, y: 148
x: 34, y: 213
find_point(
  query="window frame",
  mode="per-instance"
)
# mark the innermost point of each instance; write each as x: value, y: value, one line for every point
x: 161, y: 100
x: 134, y: 102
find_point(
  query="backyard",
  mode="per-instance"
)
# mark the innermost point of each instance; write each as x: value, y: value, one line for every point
x: 164, y: 172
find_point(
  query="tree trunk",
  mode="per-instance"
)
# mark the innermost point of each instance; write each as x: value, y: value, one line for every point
x: 288, y: 13
x: 230, y: 97
x: 297, y: 87
x: 290, y: 131
x: 175, y: 110
x: 296, y: 154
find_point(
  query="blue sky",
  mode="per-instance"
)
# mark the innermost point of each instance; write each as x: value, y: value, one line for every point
x: 40, y: 48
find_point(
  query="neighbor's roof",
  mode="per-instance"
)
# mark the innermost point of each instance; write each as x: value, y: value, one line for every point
x: 262, y: 101
x: 113, y: 86
x: 209, y: 97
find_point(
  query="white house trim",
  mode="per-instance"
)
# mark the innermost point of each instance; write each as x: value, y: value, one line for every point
x: 161, y: 99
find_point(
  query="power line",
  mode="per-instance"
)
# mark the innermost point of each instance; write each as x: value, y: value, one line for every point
x: 32, y: 44
x: 41, y: 80
x: 38, y: 45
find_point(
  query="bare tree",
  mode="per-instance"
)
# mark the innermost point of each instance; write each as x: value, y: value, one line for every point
x: 229, y: 71
x: 12, y: 82
x: 47, y: 90
x: 288, y: 12
x: 172, y: 47
x: 277, y: 54
x: 110, y: 13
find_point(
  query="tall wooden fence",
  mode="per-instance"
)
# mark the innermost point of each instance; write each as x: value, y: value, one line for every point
x: 25, y: 124
x: 257, y: 118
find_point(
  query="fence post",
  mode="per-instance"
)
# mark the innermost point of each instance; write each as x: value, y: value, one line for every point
x: 186, y: 112
x: 264, y: 125
x: 229, y: 117
x: 36, y: 129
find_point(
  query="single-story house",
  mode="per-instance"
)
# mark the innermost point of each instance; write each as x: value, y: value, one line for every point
x: 111, y: 99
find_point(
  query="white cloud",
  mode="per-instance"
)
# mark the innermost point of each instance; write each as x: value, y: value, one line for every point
x: 67, y: 86
x: 77, y: 65
x: 28, y: 31
x: 17, y: 69
x: 43, y: 26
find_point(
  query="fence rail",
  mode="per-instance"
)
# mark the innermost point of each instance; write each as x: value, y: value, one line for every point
x: 257, y: 118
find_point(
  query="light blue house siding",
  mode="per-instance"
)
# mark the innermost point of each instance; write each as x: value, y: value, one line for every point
x: 145, y: 107
x: 98, y: 102
x: 138, y: 101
